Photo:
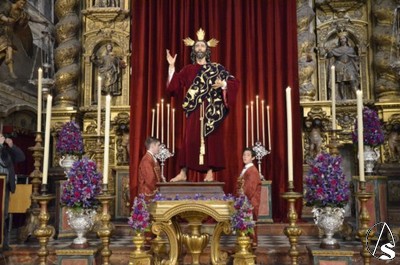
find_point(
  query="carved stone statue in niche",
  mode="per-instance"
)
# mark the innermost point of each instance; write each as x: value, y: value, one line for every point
x: 314, y: 137
x: 123, y: 144
x: 394, y: 143
x: 346, y: 61
x: 14, y: 21
x: 110, y: 70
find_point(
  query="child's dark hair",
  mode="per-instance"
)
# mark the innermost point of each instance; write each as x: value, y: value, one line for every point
x: 150, y: 140
x: 253, y: 154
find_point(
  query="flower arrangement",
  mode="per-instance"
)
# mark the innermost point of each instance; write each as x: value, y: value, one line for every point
x: 242, y: 219
x: 373, y: 133
x: 139, y: 219
x: 82, y: 186
x: 70, y: 140
x: 326, y: 184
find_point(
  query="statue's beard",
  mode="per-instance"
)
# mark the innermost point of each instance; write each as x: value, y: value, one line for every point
x: 200, y: 55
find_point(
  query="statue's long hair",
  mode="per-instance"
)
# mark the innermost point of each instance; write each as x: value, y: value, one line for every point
x: 208, y: 54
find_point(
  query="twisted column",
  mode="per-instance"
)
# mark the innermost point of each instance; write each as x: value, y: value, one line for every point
x: 67, y: 53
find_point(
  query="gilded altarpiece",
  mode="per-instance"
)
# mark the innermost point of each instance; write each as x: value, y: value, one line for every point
x: 106, y: 34
x: 370, y: 29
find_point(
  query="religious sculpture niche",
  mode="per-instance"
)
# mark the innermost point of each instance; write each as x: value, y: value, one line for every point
x: 346, y: 61
x: 316, y: 125
x: 110, y: 68
x: 122, y: 140
x: 392, y: 128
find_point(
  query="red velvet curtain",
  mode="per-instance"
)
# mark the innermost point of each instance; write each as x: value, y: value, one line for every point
x: 258, y: 45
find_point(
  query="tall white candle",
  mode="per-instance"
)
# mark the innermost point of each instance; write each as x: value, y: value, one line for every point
x: 289, y: 133
x: 262, y: 122
x: 173, y: 130
x: 247, y: 125
x: 98, y: 106
x: 39, y: 101
x: 162, y: 120
x: 168, y: 106
x: 107, y: 139
x: 257, y: 120
x: 333, y: 97
x: 157, y: 119
x: 152, y: 121
x: 46, y: 157
x: 269, y: 129
x: 360, y: 130
x: 252, y: 121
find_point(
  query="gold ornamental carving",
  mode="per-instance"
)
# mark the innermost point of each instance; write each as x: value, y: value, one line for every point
x: 392, y: 145
x: 67, y: 54
x: 164, y: 215
x: 306, y: 45
x: 386, y: 61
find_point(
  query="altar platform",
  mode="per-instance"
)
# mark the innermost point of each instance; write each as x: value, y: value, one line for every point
x: 272, y: 250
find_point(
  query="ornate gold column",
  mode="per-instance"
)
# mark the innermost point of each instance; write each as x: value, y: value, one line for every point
x: 67, y: 54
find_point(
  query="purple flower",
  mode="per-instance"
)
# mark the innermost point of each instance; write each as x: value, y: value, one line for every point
x: 325, y: 183
x: 82, y: 186
x: 70, y: 140
x: 373, y: 133
x: 242, y: 219
x: 139, y: 220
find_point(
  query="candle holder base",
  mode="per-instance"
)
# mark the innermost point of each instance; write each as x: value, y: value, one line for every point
x: 292, y: 231
x: 106, y: 227
x: 44, y: 231
x: 363, y: 196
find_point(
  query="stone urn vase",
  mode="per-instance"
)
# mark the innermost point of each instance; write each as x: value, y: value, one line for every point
x: 329, y: 219
x: 66, y: 162
x: 371, y: 155
x: 81, y: 221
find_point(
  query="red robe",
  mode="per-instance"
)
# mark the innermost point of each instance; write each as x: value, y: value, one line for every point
x: 188, y: 154
x: 251, y: 187
x: 148, y: 175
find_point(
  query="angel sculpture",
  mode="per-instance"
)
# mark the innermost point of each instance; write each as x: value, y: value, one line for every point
x: 14, y: 22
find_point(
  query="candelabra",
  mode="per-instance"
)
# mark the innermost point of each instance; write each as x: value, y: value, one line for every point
x: 44, y: 231
x: 364, y: 196
x: 292, y: 231
x: 162, y: 156
x: 106, y: 227
x: 260, y: 151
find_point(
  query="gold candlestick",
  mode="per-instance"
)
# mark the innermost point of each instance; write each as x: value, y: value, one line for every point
x: 334, y: 143
x: 292, y: 231
x: 36, y: 176
x: 106, y: 226
x: 44, y: 231
x: 363, y: 196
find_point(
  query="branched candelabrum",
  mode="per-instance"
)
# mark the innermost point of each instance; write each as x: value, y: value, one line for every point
x: 162, y: 156
x: 260, y: 151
